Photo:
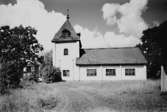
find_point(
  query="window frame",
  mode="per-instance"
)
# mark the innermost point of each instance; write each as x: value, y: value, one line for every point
x: 130, y: 71
x: 110, y: 72
x: 66, y: 52
x: 92, y: 74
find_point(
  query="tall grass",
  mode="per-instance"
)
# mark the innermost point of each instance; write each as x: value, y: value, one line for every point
x: 99, y: 96
x: 33, y: 98
x: 14, y: 103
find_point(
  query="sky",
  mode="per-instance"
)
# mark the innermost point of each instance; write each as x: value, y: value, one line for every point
x: 102, y: 23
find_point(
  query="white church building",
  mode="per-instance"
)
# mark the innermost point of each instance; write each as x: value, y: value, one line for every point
x: 80, y: 64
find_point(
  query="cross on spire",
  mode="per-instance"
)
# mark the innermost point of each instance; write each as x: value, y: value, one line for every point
x: 68, y: 16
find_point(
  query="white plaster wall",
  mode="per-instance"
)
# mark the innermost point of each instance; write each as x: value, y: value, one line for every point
x: 53, y: 55
x: 116, y: 77
x: 67, y: 62
x: 140, y: 73
x: 83, y: 73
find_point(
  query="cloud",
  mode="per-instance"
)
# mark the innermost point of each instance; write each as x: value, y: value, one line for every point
x: 115, y: 40
x: 91, y: 38
x: 32, y: 13
x: 94, y: 39
x: 128, y: 17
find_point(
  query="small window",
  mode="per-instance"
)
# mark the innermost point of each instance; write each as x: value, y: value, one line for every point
x: 66, y: 73
x: 110, y: 72
x: 91, y: 72
x: 66, y: 51
x: 66, y: 33
x: 129, y: 72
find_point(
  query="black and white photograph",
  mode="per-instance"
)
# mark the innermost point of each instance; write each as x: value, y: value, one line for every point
x: 83, y: 55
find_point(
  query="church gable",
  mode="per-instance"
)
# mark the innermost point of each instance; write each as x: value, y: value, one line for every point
x: 66, y: 33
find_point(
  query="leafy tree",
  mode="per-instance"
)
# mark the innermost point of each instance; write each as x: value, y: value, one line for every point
x: 3, y: 77
x: 18, y: 46
x: 154, y: 48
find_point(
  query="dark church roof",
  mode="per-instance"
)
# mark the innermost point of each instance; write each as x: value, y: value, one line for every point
x: 112, y: 56
x: 66, y: 33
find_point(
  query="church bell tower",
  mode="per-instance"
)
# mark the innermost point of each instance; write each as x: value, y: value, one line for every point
x: 66, y: 50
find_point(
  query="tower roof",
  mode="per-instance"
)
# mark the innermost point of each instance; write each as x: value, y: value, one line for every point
x: 66, y: 33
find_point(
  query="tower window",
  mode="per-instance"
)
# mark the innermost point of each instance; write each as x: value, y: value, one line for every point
x: 65, y: 51
x: 66, y: 33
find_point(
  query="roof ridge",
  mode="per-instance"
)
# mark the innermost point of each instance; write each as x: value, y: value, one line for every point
x: 110, y: 48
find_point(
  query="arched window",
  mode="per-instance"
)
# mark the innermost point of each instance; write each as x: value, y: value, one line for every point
x: 66, y: 33
x: 65, y: 51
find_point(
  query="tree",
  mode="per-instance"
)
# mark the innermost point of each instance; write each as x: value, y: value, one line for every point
x: 18, y: 46
x: 154, y: 48
x: 48, y: 72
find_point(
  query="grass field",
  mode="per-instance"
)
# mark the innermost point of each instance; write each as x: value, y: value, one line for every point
x: 118, y: 96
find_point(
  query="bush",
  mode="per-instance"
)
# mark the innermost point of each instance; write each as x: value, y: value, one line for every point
x: 51, y: 74
x: 33, y: 77
x: 55, y: 75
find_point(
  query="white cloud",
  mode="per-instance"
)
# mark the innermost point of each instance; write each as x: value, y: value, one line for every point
x: 115, y: 40
x: 32, y: 13
x: 109, y: 13
x: 91, y: 39
x: 94, y: 39
x: 128, y: 16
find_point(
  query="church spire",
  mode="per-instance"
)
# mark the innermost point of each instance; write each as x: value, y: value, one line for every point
x: 68, y: 16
